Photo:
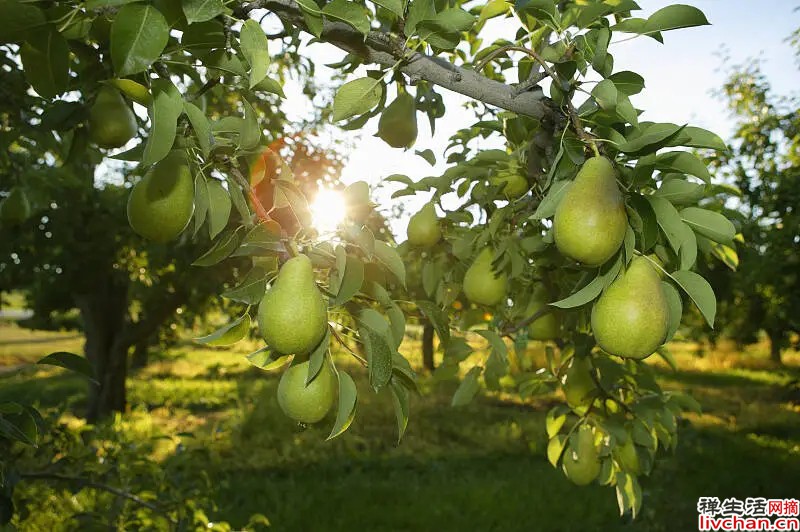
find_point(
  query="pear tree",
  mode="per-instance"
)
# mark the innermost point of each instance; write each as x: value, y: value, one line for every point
x: 583, y: 211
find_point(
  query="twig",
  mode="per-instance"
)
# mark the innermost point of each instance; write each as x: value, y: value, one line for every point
x: 341, y: 341
x: 251, y: 192
x: 207, y: 86
x: 98, y: 485
x: 547, y: 309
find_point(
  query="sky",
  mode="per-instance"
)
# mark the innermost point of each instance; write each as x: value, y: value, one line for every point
x: 680, y: 77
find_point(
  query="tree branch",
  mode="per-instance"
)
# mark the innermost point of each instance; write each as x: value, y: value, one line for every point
x: 387, y: 50
x: 82, y: 482
x: 514, y: 327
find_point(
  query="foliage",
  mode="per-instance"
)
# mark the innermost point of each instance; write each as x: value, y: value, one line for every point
x: 167, y: 57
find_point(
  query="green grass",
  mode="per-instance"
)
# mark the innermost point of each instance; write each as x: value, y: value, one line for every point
x: 481, y: 467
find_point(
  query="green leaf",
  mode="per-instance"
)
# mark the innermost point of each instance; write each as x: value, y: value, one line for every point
x: 629, y: 494
x: 675, y: 309
x: 352, y: 279
x: 271, y: 86
x: 198, y: 39
x: 251, y: 289
x: 167, y: 108
x: 201, y: 127
x: 625, y: 109
x: 388, y: 255
x: 346, y: 412
x: 397, y: 324
x: 605, y: 94
x: 228, y: 334
x: 700, y: 291
x: 72, y: 362
x: 237, y: 197
x: 555, y: 419
x: 468, y: 388
x: 312, y: 16
x: 555, y: 448
x: 376, y: 334
x: 400, y: 402
x: 138, y: 36
x: 133, y: 90
x: 590, y: 291
x: 263, y: 359
x: 438, y: 319
x: 220, y: 250
x: 493, y: 8
x: 19, y: 20
x: 428, y: 155
x: 45, y: 58
x: 549, y: 204
x: 254, y: 45
x: 202, y: 10
x: 683, y: 162
x: 443, y: 30
x: 695, y: 137
x: 219, y: 208
x: 669, y: 220
x: 200, y: 201
x: 710, y: 224
x: 627, y: 82
x: 251, y: 132
x: 356, y: 97
x: 317, y: 357
x: 652, y: 138
x: 674, y: 17
x: 678, y: 191
x: 259, y: 239
x: 395, y: 6
x: 496, y: 342
x: 649, y: 231
x: 348, y: 12
x: 688, y: 253
x: 418, y: 10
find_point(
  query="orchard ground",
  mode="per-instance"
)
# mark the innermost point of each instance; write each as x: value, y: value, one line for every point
x: 480, y: 467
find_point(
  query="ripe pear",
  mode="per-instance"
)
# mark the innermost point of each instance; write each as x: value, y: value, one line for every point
x: 292, y: 315
x: 423, y: 227
x: 590, y: 220
x: 111, y: 122
x: 357, y: 202
x: 398, y: 123
x: 631, y: 318
x: 162, y: 203
x: 512, y: 181
x: 481, y: 284
x: 581, y: 462
x: 545, y: 327
x: 578, y: 385
x: 307, y: 403
x: 15, y: 208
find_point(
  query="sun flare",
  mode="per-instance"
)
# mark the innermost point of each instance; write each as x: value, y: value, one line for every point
x: 327, y: 210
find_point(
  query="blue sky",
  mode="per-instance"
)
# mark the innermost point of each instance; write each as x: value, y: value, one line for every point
x: 680, y: 76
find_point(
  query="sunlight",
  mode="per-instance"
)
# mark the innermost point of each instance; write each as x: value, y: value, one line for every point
x: 327, y: 210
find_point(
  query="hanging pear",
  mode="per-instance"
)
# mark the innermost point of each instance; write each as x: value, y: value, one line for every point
x: 590, y: 220
x: 512, y: 180
x: 545, y: 327
x: 423, y: 227
x: 15, y: 208
x: 111, y: 122
x: 481, y: 284
x: 631, y: 318
x: 307, y: 403
x: 162, y: 203
x: 292, y: 315
x: 581, y: 460
x: 398, y: 123
x: 578, y: 385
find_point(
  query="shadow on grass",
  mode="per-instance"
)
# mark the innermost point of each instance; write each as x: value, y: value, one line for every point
x: 705, y: 378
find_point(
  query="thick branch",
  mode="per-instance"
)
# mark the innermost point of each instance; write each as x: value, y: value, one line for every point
x: 387, y: 50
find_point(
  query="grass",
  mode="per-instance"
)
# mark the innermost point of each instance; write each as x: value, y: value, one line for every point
x: 481, y: 467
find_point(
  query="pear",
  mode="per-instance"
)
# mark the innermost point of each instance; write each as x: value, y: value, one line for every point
x: 581, y: 461
x: 398, y: 123
x: 423, y: 227
x: 545, y: 327
x: 292, y: 315
x: 111, y: 122
x: 512, y: 181
x: 590, y: 220
x: 307, y: 403
x: 627, y: 457
x: 15, y: 208
x: 162, y: 203
x: 357, y: 202
x: 578, y: 385
x: 481, y: 284
x: 631, y: 318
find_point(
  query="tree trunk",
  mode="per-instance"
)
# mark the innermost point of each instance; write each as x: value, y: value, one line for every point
x: 776, y: 339
x: 427, y: 347
x: 141, y: 350
x: 103, y: 312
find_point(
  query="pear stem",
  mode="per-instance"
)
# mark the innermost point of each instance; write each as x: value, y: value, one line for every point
x: 291, y: 247
x: 571, y: 112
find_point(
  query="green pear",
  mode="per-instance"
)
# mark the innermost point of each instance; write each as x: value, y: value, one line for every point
x: 423, y: 227
x: 307, y: 403
x: 627, y: 457
x: 398, y: 123
x: 481, y: 284
x: 545, y: 327
x: 590, y: 220
x: 578, y: 385
x: 162, y: 203
x: 15, y: 208
x: 631, y: 318
x: 292, y: 315
x: 111, y: 122
x: 357, y: 202
x: 512, y: 181
x: 581, y: 461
